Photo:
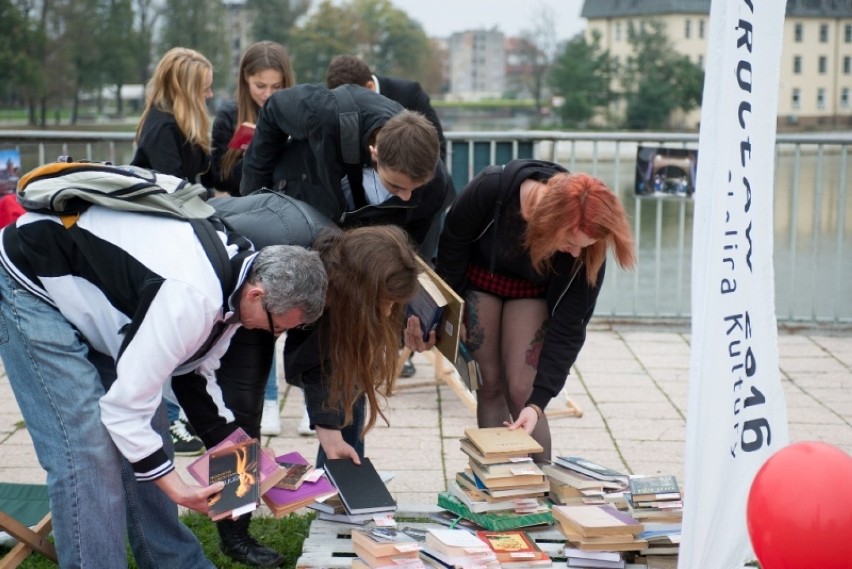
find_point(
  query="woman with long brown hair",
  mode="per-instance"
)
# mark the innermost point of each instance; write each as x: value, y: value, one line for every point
x: 526, y: 245
x: 264, y: 68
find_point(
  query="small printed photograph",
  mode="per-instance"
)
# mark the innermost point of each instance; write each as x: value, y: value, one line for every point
x: 10, y: 170
x: 662, y: 171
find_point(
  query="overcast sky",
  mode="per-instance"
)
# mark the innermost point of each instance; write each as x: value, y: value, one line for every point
x: 440, y: 18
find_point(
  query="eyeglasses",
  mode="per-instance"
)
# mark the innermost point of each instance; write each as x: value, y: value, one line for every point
x: 271, y: 323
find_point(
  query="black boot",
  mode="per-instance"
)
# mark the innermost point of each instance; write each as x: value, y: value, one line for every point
x: 236, y: 543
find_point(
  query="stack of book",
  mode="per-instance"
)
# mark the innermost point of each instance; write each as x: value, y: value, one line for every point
x: 385, y: 547
x: 282, y: 500
x: 457, y: 548
x: 568, y: 486
x: 655, y: 498
x: 593, y: 559
x: 595, y: 527
x: 360, y: 488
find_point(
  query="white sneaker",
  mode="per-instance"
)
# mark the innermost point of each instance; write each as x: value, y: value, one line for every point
x: 270, y: 422
x: 304, y: 427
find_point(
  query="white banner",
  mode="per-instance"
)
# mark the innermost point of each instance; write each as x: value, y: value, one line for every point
x: 737, y: 415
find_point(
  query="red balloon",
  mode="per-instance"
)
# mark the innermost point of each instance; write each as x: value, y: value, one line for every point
x: 800, y: 508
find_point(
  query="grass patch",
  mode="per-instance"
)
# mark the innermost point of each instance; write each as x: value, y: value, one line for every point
x: 284, y: 535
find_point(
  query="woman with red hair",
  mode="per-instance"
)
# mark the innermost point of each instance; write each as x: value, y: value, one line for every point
x: 526, y: 245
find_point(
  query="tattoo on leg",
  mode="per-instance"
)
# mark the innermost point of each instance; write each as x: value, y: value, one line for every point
x: 534, y: 351
x: 475, y: 333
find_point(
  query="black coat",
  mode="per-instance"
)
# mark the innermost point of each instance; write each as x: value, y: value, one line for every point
x: 296, y: 150
x: 163, y: 147
x: 484, y: 227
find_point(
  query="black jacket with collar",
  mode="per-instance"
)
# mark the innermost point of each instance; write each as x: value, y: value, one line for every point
x: 484, y: 227
x: 163, y: 147
x: 296, y: 150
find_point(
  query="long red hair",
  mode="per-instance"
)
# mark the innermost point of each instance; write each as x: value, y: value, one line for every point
x: 579, y: 202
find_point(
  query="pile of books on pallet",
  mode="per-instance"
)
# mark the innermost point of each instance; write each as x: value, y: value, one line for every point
x: 385, y: 547
x: 576, y: 480
x: 657, y: 502
x: 362, y: 495
x: 502, y: 488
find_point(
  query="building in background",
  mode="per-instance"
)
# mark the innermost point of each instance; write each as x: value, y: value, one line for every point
x: 237, y: 30
x: 816, y: 63
x: 477, y: 65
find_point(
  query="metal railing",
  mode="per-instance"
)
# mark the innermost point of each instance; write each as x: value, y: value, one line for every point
x: 813, y: 224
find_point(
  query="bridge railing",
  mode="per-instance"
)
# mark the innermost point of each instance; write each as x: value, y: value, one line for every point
x: 813, y: 222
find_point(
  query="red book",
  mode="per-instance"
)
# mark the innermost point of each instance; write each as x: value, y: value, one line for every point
x: 242, y: 136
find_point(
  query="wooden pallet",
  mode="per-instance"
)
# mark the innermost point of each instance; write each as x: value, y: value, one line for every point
x: 329, y: 545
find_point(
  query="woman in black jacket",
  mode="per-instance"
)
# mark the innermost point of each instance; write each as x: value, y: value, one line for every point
x: 526, y: 245
x: 173, y: 134
x: 264, y: 68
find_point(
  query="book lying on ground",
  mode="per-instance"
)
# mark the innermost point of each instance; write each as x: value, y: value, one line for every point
x: 563, y: 475
x: 427, y: 305
x: 500, y: 441
x: 236, y: 466
x: 281, y: 501
x: 592, y: 469
x: 270, y: 472
x: 458, y: 548
x: 514, y: 548
x: 242, y: 137
x: 360, y: 487
x: 474, y: 454
x: 450, y: 326
x: 653, y: 488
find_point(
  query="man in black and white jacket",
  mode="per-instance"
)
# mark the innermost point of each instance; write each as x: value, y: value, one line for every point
x: 95, y: 315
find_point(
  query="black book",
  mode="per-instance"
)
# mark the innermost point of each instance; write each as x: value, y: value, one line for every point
x: 428, y: 305
x: 237, y: 467
x: 360, y: 487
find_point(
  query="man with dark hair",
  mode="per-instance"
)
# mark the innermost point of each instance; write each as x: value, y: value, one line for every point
x: 349, y: 69
x: 356, y: 156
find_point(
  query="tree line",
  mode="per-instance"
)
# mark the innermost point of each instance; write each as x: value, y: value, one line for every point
x: 54, y: 51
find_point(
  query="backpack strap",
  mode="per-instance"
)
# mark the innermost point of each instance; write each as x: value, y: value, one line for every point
x: 349, y: 121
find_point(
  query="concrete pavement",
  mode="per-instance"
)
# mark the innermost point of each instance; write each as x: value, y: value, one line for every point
x: 630, y: 381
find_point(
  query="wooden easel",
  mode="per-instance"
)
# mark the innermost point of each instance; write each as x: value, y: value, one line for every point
x: 445, y: 373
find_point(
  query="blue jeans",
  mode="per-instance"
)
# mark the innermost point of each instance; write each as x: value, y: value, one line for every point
x: 271, y: 391
x: 94, y: 496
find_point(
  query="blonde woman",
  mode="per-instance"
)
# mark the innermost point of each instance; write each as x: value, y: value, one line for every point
x: 173, y: 135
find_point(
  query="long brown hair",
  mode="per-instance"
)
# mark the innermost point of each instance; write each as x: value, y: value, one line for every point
x: 579, y: 202
x: 177, y: 87
x: 370, y: 269
x: 259, y: 57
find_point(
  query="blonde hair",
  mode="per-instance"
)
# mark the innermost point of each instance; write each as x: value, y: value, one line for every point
x: 178, y: 87
x: 579, y: 202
